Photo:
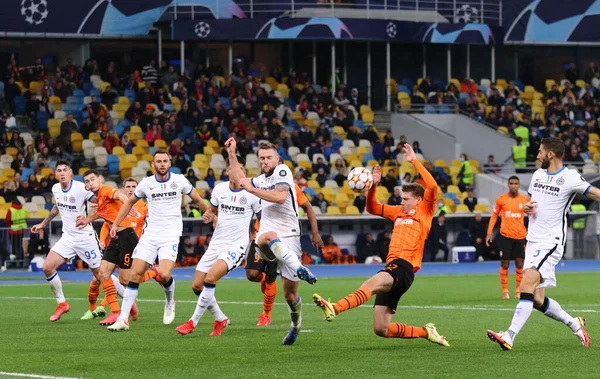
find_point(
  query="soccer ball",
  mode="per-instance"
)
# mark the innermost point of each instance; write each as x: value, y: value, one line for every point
x: 391, y: 29
x: 202, y: 29
x: 466, y: 14
x: 34, y: 11
x: 360, y: 179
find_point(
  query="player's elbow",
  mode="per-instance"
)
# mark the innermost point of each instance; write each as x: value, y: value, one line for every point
x: 281, y: 198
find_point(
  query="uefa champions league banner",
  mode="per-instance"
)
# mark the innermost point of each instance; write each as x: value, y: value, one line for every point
x: 552, y: 21
x: 323, y: 28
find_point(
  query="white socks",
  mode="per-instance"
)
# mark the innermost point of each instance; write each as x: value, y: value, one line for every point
x: 552, y: 309
x: 290, y: 259
x: 522, y: 313
x: 169, y: 289
x: 296, y: 314
x: 118, y: 286
x: 204, y: 300
x: 56, y: 286
x: 131, y: 293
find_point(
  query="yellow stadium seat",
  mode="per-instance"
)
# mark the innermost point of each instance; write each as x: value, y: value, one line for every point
x: 82, y: 170
x: 461, y: 208
x: 456, y: 163
x: 143, y: 144
x: 440, y: 163
x: 453, y: 189
x: 481, y: 208
x: 332, y: 210
x: 160, y: 144
x: 97, y: 138
x: 530, y: 89
x: 118, y: 150
x: 124, y: 100
x: 503, y: 130
x: 138, y: 152
x: 352, y: 210
x: 474, y: 163
x: 580, y: 83
x: 42, y: 214
x: 362, y: 150
x: 12, y: 151
x: 147, y: 157
x: 134, y: 137
x: 136, y: 129
x: 9, y: 173
x: 131, y: 158
x: 47, y: 171
x: 313, y: 184
x: 307, y: 165
x: 368, y: 117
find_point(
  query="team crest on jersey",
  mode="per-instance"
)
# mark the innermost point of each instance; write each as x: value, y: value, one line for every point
x: 282, y: 173
x: 520, y: 205
x: 411, y: 212
x: 560, y: 181
x: 174, y: 185
x: 243, y: 200
x: 72, y: 200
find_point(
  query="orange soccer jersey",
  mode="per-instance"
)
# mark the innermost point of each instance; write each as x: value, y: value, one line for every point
x: 513, y: 216
x: 410, y: 229
x: 300, y: 199
x: 137, y: 223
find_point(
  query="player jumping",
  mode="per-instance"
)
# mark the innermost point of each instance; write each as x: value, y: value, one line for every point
x: 552, y: 189
x: 512, y: 230
x: 161, y: 234
x: 412, y: 222
x: 279, y: 235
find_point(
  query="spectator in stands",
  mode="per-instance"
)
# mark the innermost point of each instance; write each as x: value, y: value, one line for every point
x: 32, y: 107
x: 11, y: 91
x: 60, y: 153
x: 438, y: 238
x: 187, y: 254
x: 426, y: 86
x: 45, y: 190
x: 390, y: 181
x: 495, y: 99
x: 478, y: 230
x: 340, y: 99
x: 573, y: 156
x: 468, y: 86
x: 147, y: 118
x: 111, y: 141
x: 383, y: 244
x: 18, y: 163
x: 68, y: 126
x: 371, y: 134
x: 490, y: 166
x: 355, y: 99
x: 354, y: 134
x: 47, y: 107
x: 154, y: 132
x: 520, y: 156
x: 7, y: 191
x: 571, y: 72
x: 417, y: 148
x: 38, y: 245
x: 61, y: 91
x: 320, y: 202
x: 135, y: 111
x: 321, y: 177
x: 323, y: 132
x: 149, y: 73
x: 94, y: 109
x: 202, y: 245
x: 300, y: 179
x: 170, y: 77
x: 396, y: 197
x: 332, y: 253
x: 183, y: 164
x: 109, y: 97
x: 86, y: 128
x: 126, y: 143
x: 465, y: 174
x: 16, y: 220
x: 388, y: 139
x: 210, y: 178
x: 25, y: 190
x: 407, y: 178
x: 191, y: 176
x: 470, y: 201
x: 366, y: 248
x: 360, y: 202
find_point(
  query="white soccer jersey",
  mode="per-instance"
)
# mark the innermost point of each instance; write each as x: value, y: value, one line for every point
x: 235, y: 210
x: 553, y: 193
x: 164, y: 204
x: 71, y: 204
x: 279, y: 218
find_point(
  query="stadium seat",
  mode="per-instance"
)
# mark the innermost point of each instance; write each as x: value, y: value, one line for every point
x: 97, y: 138
x: 461, y: 208
x: 332, y: 210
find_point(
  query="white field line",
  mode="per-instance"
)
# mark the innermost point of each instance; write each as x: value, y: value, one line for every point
x: 24, y: 375
x: 442, y: 307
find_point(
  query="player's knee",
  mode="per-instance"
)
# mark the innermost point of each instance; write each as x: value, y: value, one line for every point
x: 290, y: 297
x: 505, y: 264
x: 197, y: 287
x: 266, y: 238
x: 252, y: 275
x: 48, y: 270
x: 164, y: 275
x: 381, y: 330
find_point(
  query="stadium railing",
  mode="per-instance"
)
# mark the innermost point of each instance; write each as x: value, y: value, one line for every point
x: 484, y: 11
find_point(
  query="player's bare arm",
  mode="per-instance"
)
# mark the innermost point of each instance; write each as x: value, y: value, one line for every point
x: 81, y: 221
x: 317, y: 241
x: 53, y: 213
x: 210, y: 216
x: 236, y: 171
x: 199, y: 202
x: 594, y: 194
x: 277, y: 195
x: 123, y: 212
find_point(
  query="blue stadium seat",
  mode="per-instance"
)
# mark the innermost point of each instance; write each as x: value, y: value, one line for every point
x: 462, y: 96
x: 520, y: 85
x: 284, y: 154
x: 444, y: 109
x: 95, y: 92
x: 360, y: 124
x: 403, y: 88
x: 75, y: 100
x: 309, y: 191
x: 87, y: 88
x: 152, y: 150
x: 20, y: 105
x: 367, y: 157
x: 175, y: 170
x: 78, y: 93
x: 408, y: 83
x: 129, y: 93
x: 49, y: 206
x: 225, y: 101
x: 42, y: 119
x: 169, y: 108
x: 317, y: 88
x: 119, y: 129
x: 25, y: 173
x: 78, y: 178
x: 113, y: 164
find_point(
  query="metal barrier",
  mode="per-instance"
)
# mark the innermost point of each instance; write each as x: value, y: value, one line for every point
x: 455, y: 11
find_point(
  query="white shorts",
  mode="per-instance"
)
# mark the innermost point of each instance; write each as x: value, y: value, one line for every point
x: 291, y: 245
x: 233, y: 256
x: 88, y: 249
x: 544, y: 257
x: 148, y: 249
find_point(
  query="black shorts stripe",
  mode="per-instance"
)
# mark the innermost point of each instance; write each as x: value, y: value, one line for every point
x: 236, y: 263
x: 546, y: 257
x: 564, y: 218
x: 97, y: 241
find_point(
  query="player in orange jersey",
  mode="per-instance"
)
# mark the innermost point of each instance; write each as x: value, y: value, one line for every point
x: 118, y: 251
x: 265, y: 272
x: 512, y: 241
x: 412, y: 222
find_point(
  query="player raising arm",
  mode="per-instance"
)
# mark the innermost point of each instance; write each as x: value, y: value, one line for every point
x: 552, y: 189
x: 412, y: 222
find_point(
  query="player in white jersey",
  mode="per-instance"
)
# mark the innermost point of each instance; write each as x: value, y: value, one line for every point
x: 552, y: 190
x: 278, y: 237
x: 71, y: 202
x: 160, y: 237
x: 226, y: 251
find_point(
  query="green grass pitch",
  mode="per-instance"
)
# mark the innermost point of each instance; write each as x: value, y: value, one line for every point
x: 462, y: 307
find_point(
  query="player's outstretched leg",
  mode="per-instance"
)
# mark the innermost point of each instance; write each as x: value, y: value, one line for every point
x: 550, y: 308
x: 518, y: 276
x: 268, y: 287
x: 355, y: 299
x: 93, y: 293
x: 138, y: 268
x: 270, y: 244
x: 294, y: 302
x: 504, y: 266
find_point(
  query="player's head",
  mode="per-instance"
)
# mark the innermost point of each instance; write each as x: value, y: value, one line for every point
x: 412, y: 195
x: 513, y: 185
x: 268, y: 158
x: 242, y: 163
x: 551, y: 148
x: 129, y: 185
x: 92, y: 180
x: 161, y: 161
x: 63, y: 171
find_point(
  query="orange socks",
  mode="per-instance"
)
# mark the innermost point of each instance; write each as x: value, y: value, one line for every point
x: 504, y: 279
x: 518, y: 277
x: 398, y: 330
x: 150, y: 274
x: 260, y: 279
x: 93, y: 293
x: 270, y: 291
x: 355, y: 299
x: 110, y: 294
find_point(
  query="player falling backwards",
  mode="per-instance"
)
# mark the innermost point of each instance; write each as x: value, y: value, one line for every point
x: 161, y: 234
x: 552, y: 189
x: 265, y: 272
x: 118, y: 251
x: 512, y: 230
x: 412, y: 222
x: 71, y: 199
x: 279, y: 235
x: 226, y: 251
